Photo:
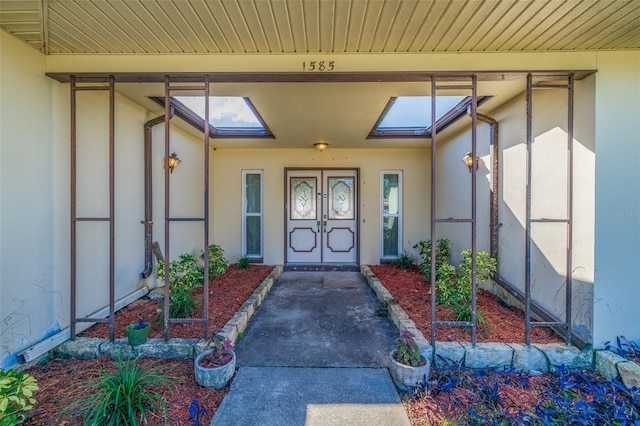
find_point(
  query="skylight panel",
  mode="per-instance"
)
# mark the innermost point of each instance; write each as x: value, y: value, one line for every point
x: 225, y: 112
x: 415, y: 111
x: 410, y: 116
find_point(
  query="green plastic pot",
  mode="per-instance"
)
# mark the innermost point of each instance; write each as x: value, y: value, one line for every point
x: 137, y: 337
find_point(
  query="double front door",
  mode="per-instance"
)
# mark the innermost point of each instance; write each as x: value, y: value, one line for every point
x: 322, y: 216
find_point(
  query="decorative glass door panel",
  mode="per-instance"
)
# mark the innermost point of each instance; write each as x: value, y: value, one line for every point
x: 341, y: 197
x: 303, y: 198
x: 321, y: 216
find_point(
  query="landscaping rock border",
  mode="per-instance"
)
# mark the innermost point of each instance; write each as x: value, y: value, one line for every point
x: 87, y: 347
x: 536, y: 358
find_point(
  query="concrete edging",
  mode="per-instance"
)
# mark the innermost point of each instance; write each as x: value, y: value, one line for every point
x: 534, y: 358
x: 87, y: 347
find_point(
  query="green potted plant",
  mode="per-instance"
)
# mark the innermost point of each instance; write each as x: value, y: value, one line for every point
x: 406, y: 365
x: 138, y: 333
x: 216, y: 365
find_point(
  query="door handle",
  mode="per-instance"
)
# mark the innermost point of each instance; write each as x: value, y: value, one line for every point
x: 324, y: 225
x: 318, y: 223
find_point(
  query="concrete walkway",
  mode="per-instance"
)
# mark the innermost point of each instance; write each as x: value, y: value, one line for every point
x: 315, y: 353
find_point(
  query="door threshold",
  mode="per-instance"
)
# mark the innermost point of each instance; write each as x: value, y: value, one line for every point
x: 323, y: 267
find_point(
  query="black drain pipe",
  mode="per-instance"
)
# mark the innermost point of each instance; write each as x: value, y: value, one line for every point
x: 148, y: 194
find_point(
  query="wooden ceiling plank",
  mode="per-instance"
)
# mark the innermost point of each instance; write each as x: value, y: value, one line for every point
x: 122, y: 29
x: 567, y: 25
x: 537, y: 25
x: 247, y: 26
x: 57, y: 48
x: 283, y: 23
x: 269, y: 26
x: 202, y: 40
x: 521, y: 25
x: 601, y: 28
x: 621, y: 39
x: 68, y: 30
x: 219, y: 41
x: 502, y: 27
x: 356, y: 24
x: 416, y: 19
x: 453, y: 18
x: 296, y: 20
x: 398, y: 27
x: 165, y: 14
x: 470, y: 15
x: 327, y: 10
x: 87, y: 24
x: 386, y: 22
x: 341, y: 26
x: 219, y: 13
x: 372, y: 22
x: 67, y: 40
x: 311, y: 25
x: 488, y: 17
x: 152, y: 30
x: 431, y: 19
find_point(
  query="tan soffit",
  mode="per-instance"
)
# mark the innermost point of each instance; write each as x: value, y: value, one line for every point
x: 321, y: 26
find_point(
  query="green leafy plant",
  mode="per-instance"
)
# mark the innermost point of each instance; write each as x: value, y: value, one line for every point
x: 185, y: 272
x: 443, y: 254
x: 407, y: 351
x: 185, y: 275
x: 217, y: 263
x: 404, y: 261
x: 123, y: 397
x: 181, y: 302
x: 16, y: 396
x: 453, y: 285
x: 243, y: 262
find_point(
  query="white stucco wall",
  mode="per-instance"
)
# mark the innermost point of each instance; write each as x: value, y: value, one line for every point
x: 617, y: 230
x: 549, y: 196
x: 35, y: 199
x: 27, y: 290
x: 228, y: 165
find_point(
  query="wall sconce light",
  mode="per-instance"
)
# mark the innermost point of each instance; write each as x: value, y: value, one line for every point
x: 469, y: 161
x: 321, y: 146
x: 172, y: 162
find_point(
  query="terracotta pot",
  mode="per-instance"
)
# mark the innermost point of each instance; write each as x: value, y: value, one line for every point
x: 139, y: 336
x: 406, y: 376
x: 217, y: 377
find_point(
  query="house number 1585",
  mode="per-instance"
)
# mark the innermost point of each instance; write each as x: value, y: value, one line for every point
x: 318, y: 66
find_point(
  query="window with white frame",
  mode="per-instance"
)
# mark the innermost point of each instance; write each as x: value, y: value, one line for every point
x: 252, y: 223
x: 391, y: 214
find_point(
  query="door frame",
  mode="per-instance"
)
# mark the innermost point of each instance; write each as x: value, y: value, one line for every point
x: 285, y: 204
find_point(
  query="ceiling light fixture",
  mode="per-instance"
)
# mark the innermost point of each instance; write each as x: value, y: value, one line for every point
x: 321, y: 146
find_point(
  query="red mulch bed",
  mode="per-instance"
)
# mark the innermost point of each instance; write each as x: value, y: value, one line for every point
x: 58, y: 378
x: 226, y: 293
x: 504, y: 324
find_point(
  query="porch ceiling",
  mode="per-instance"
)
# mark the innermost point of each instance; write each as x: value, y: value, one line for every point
x: 321, y: 26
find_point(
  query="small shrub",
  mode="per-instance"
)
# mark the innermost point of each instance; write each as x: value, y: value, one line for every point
x: 407, y: 351
x: 443, y: 254
x: 16, y: 396
x: 184, y: 272
x: 122, y: 398
x: 453, y: 285
x: 185, y: 275
x: 181, y: 302
x: 218, y: 265
x: 243, y: 262
x: 404, y: 261
x: 221, y: 352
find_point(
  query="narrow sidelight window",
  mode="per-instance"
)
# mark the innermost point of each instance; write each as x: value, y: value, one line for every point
x: 252, y: 224
x: 391, y: 208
